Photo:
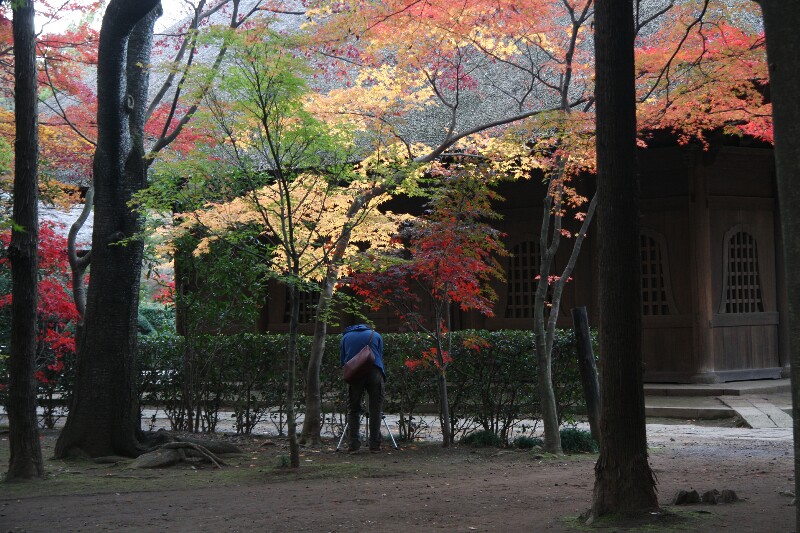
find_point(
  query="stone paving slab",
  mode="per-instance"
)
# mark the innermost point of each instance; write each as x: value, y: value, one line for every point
x: 758, y: 413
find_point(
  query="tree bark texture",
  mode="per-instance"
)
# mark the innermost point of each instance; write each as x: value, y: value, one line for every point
x: 781, y: 23
x: 624, y: 482
x: 104, y: 415
x: 25, y: 461
x: 587, y: 368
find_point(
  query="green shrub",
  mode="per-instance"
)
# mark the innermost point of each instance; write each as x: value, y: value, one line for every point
x: 492, y: 381
x: 155, y: 318
x: 481, y: 439
x: 574, y: 440
x: 524, y: 442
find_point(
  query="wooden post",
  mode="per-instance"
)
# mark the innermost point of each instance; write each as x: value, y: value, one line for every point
x: 588, y: 369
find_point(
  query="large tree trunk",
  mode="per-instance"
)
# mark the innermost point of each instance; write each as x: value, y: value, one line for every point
x: 104, y: 415
x: 624, y: 482
x: 26, y: 453
x: 781, y: 23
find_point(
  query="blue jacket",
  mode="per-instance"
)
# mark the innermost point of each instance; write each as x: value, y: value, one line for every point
x: 356, y: 337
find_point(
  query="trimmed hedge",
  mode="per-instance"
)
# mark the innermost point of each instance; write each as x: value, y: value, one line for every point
x: 492, y: 383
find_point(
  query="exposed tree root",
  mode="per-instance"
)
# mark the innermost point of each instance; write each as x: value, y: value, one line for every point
x: 168, y: 450
x: 189, y: 449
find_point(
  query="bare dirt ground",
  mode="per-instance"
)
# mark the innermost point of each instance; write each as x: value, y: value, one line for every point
x: 420, y: 487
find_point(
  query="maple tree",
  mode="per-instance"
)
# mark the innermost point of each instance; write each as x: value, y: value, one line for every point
x: 523, y: 74
x: 372, y: 189
x: 452, y: 253
x: 294, y: 185
x: 416, y: 57
x: 436, y: 58
x: 56, y: 315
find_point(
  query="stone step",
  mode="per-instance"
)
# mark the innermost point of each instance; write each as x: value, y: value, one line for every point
x: 736, y: 388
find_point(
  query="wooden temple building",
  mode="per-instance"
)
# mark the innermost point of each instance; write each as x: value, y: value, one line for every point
x: 713, y: 300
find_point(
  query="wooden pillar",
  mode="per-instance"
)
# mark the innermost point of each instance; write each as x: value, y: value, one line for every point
x: 781, y: 297
x: 702, y: 270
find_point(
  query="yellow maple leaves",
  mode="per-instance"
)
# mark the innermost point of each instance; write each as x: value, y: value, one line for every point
x: 308, y: 218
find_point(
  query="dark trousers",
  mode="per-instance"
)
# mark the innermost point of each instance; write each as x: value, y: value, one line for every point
x: 372, y: 384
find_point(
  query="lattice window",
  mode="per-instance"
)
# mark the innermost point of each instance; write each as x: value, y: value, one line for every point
x: 742, y: 290
x: 656, y: 288
x: 308, y: 306
x: 522, y: 272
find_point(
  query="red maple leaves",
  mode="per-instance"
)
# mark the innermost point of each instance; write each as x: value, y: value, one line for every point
x: 56, y: 311
x: 450, y: 258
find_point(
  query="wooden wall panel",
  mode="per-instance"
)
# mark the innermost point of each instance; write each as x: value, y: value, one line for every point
x: 742, y: 172
x: 746, y: 347
x: 663, y: 172
x: 667, y: 350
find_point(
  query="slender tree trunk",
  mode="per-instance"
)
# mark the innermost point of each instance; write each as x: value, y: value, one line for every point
x: 312, y: 423
x: 549, y: 243
x: 291, y: 364
x: 444, y: 406
x: 444, y: 403
x: 78, y: 265
x: 781, y: 23
x: 25, y: 461
x: 544, y: 372
x: 624, y: 482
x: 587, y: 368
x: 548, y: 246
x: 544, y: 332
x: 104, y: 414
